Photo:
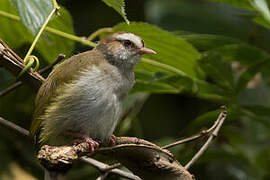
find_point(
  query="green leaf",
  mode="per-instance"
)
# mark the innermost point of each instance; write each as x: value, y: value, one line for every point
x: 164, y: 83
x: 33, y: 13
x: 12, y: 31
x: 204, y: 42
x: 218, y: 70
x: 262, y: 7
x: 242, y: 53
x: 119, y: 6
x: 55, y: 43
x: 149, y: 82
x: 17, y: 36
x: 172, y: 51
x: 238, y: 3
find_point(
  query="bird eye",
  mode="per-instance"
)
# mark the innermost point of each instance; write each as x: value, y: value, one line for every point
x: 127, y: 43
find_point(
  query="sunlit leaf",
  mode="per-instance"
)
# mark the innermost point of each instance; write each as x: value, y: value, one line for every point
x: 33, y: 13
x: 262, y: 7
x: 16, y: 35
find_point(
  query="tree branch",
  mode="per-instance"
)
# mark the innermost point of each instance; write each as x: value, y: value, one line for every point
x: 105, y: 169
x: 222, y: 116
x: 14, y: 64
x: 42, y: 71
x: 13, y: 126
x: 201, y: 134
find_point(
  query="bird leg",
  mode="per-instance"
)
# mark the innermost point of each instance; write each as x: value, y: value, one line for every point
x: 84, y: 138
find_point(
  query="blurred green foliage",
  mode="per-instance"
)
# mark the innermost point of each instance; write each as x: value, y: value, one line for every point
x: 209, y: 54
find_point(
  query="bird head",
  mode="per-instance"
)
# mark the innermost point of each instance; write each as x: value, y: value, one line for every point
x: 123, y: 49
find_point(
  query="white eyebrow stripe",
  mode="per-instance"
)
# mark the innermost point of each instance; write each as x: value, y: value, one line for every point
x: 132, y: 37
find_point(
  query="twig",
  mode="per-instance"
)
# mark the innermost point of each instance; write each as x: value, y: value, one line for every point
x: 10, y: 51
x: 15, y: 65
x: 44, y: 70
x: 117, y: 165
x: 101, y: 167
x: 98, y: 32
x: 49, y: 67
x: 14, y: 126
x: 194, y: 137
x: 10, y: 88
x: 222, y: 116
x: 103, y: 176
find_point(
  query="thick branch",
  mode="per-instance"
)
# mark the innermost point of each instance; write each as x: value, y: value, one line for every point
x: 143, y: 158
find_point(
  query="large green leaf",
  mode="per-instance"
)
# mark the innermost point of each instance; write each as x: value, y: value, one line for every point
x: 55, y: 43
x: 119, y: 6
x: 16, y: 35
x: 171, y: 50
x: 205, y: 42
x: 33, y: 13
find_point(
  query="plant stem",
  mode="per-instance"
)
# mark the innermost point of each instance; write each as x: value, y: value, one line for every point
x: 8, y: 15
x: 98, y: 32
x: 164, y: 66
x: 70, y: 36
x: 54, y: 31
x: 38, y: 35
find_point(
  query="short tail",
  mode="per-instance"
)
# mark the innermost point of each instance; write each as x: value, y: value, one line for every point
x: 53, y: 175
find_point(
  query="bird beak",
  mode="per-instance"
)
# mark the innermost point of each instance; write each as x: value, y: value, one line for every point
x: 145, y: 50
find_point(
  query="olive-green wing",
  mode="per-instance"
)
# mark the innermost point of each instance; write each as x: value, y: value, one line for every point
x: 62, y: 73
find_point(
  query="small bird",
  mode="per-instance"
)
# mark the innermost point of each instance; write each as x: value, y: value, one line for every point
x: 81, y: 98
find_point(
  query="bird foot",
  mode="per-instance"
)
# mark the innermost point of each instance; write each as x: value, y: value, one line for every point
x: 92, y: 144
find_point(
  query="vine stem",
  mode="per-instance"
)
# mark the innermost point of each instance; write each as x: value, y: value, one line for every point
x: 39, y: 34
x: 82, y: 40
x: 98, y: 32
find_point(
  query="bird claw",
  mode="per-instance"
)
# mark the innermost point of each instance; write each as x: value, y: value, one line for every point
x: 92, y: 144
x: 112, y: 140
